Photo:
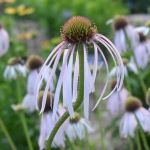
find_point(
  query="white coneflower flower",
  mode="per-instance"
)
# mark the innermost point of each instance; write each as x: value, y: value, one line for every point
x: 128, y: 66
x: 4, y: 41
x: 78, y: 34
x: 142, y: 51
x: 134, y: 113
x: 116, y: 102
x: 14, y: 68
x: 47, y: 123
x: 77, y: 128
x: 34, y: 64
x: 124, y: 33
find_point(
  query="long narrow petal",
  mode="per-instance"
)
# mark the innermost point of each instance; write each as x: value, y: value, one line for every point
x: 86, y: 84
x: 59, y: 83
x: 75, y: 79
x: 69, y: 84
x: 117, y: 69
x: 49, y: 80
x: 40, y: 75
x: 64, y: 81
x: 107, y: 77
x: 115, y: 51
x: 40, y: 81
x: 95, y: 67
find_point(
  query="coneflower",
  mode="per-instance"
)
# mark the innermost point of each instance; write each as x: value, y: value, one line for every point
x: 78, y: 33
x: 4, y: 41
x: 125, y: 34
x: 78, y: 128
x: 14, y: 68
x: 34, y: 64
x: 142, y: 50
x: 134, y: 113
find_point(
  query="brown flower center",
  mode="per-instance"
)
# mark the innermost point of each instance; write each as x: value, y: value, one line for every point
x: 78, y: 29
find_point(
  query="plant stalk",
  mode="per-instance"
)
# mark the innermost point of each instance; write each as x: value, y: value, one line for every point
x: 76, y: 104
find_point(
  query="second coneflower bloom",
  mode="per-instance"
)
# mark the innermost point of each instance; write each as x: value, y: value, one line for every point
x: 79, y: 34
x: 135, y: 115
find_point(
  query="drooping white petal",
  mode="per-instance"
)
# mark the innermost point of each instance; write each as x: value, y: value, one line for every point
x: 64, y: 81
x: 143, y: 117
x: 118, y: 58
x: 120, y: 41
x: 132, y: 35
x: 95, y: 67
x: 29, y: 103
x: 109, y: 48
x: 40, y: 76
x: 86, y: 84
x: 48, y: 82
x: 69, y: 85
x: 117, y: 68
x: 40, y: 80
x: 75, y: 79
x: 128, y: 125
x: 59, y: 83
x: 107, y: 76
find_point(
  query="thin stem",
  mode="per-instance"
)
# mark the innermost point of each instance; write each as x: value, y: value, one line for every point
x: 76, y: 104
x: 139, y: 147
x: 131, y: 146
x: 128, y: 84
x: 4, y: 129
x: 23, y: 119
x: 144, y: 88
x: 141, y: 132
x: 144, y: 139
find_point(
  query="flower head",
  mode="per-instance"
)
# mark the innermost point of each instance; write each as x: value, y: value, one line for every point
x: 34, y: 62
x: 132, y: 104
x: 78, y: 29
x: 120, y: 22
x: 78, y: 128
x: 4, y: 41
x: 78, y: 34
x: 125, y: 36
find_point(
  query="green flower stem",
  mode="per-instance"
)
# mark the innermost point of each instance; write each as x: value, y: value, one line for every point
x: 144, y: 139
x: 144, y: 88
x: 141, y: 132
x: 131, y: 146
x: 4, y: 129
x: 128, y: 84
x: 76, y: 104
x: 23, y: 119
x: 137, y: 137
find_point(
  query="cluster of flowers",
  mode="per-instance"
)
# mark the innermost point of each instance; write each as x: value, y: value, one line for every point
x: 127, y: 38
x: 79, y: 36
x: 77, y: 127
